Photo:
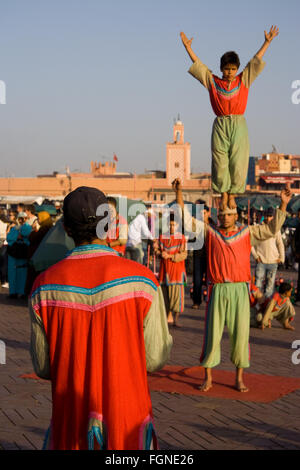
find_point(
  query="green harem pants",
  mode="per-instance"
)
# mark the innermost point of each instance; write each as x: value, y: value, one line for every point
x: 228, y: 305
x: 230, y: 154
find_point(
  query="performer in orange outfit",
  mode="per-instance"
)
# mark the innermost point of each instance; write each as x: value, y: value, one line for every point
x: 280, y: 307
x: 172, y: 274
x: 228, y: 250
x: 228, y: 97
x: 98, y: 324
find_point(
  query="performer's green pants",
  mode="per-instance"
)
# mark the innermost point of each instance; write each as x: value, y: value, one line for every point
x: 230, y: 154
x: 228, y: 305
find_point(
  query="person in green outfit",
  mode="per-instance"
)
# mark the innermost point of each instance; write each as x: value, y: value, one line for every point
x: 228, y: 250
x: 228, y: 97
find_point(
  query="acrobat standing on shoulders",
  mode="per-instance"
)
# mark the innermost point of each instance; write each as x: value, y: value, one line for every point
x: 228, y: 249
x: 228, y: 97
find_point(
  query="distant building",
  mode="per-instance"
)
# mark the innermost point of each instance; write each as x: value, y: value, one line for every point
x: 272, y: 172
x: 178, y: 155
x: 107, y: 168
x: 154, y: 186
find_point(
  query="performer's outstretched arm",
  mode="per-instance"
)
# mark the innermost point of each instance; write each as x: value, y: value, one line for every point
x: 188, y: 45
x: 199, y: 70
x: 176, y: 186
x: 274, y: 31
x: 191, y: 224
x: 266, y: 231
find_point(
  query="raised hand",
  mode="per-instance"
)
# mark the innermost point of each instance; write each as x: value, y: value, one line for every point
x: 186, y: 42
x: 286, y: 194
x: 176, y: 184
x: 274, y: 31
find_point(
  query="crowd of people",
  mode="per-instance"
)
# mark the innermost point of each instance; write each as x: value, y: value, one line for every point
x: 21, y: 231
x: 102, y: 293
x: 108, y: 316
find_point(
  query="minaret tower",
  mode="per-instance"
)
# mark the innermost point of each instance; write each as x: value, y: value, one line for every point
x: 178, y: 155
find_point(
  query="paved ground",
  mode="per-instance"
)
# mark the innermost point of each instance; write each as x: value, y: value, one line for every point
x: 182, y: 422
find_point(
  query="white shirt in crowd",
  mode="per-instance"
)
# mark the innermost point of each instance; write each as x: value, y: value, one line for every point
x: 3, y: 227
x: 138, y: 230
x: 31, y: 220
x: 269, y: 251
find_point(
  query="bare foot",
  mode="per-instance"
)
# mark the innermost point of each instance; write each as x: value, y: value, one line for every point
x: 241, y: 387
x: 207, y: 385
x: 170, y: 319
x: 176, y: 322
x: 289, y: 327
x: 224, y: 201
x: 231, y: 202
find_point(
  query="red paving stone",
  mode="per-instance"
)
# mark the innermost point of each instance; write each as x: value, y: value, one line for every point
x: 263, y: 388
x: 182, y: 421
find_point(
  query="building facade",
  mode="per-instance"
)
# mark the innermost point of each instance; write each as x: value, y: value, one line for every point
x: 154, y: 187
x: 274, y: 170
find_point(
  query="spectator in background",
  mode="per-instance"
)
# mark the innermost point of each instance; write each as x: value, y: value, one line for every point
x: 297, y: 257
x: 44, y: 223
x: 117, y: 232
x: 268, y: 254
x: 199, y: 263
x: 18, y: 242
x: 137, y: 231
x: 3, y: 251
x: 57, y: 205
x: 20, y: 207
x: 148, y: 245
x: 172, y: 274
x: 31, y: 217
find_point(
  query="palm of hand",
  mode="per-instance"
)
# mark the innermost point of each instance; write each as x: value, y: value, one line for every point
x: 274, y: 31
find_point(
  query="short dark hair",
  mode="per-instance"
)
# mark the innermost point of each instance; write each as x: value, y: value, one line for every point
x: 112, y: 200
x: 203, y: 202
x: 229, y: 57
x: 269, y: 212
x: 82, y: 234
x: 30, y: 207
x: 284, y: 287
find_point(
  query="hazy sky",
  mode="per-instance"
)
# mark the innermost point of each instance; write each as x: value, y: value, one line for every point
x: 87, y: 78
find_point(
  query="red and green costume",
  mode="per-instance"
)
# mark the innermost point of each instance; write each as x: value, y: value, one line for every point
x: 172, y: 273
x: 229, y: 141
x: 98, y: 324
